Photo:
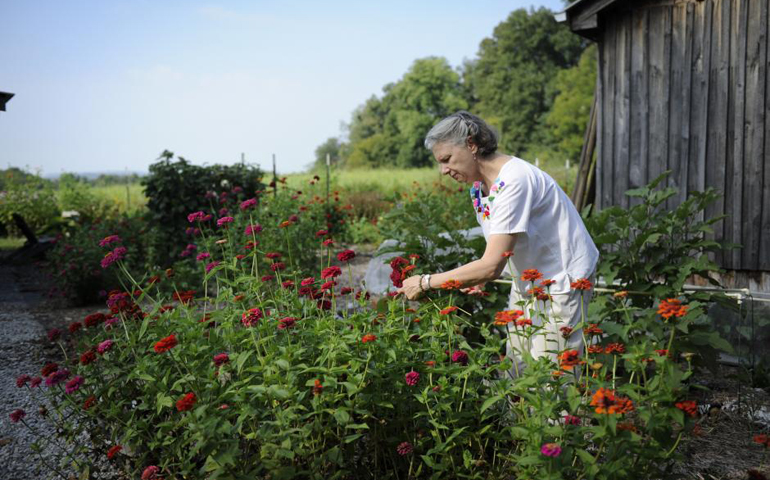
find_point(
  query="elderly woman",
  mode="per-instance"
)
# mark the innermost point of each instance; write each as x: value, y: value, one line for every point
x: 528, y: 222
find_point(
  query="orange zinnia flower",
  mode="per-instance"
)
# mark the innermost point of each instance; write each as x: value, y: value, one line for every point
x: 451, y: 285
x: 547, y: 283
x: 569, y: 359
x: 508, y: 254
x: 672, y: 308
x: 689, y: 407
x: 523, y: 322
x: 531, y: 275
x: 616, y: 348
x: 606, y: 402
x: 593, y: 329
x: 448, y: 310
x: 507, y: 316
x: 595, y: 349
x: 368, y: 338
x: 620, y: 294
x: 581, y: 284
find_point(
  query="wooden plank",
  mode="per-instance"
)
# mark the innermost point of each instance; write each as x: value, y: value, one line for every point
x: 660, y: 61
x: 764, y: 246
x: 735, y: 134
x: 701, y: 58
x: 601, y: 78
x: 640, y: 106
x: 590, y: 10
x: 717, y: 105
x: 754, y: 119
x: 608, y: 157
x: 623, y: 110
x: 677, y: 106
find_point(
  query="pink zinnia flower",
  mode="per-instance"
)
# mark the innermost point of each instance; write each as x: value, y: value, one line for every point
x: 412, y: 378
x: 307, y: 281
x: 267, y: 278
x: 346, y: 255
x: 73, y: 385
x: 251, y: 317
x: 321, y: 233
x: 104, y: 346
x: 211, y: 266
x: 57, y: 377
x: 252, y: 229
x: 571, y: 420
x: 246, y: 204
x: 35, y: 382
x: 109, y: 240
x: 197, y: 216
x: 203, y: 256
x: 54, y: 334
x: 550, y: 449
x: 224, y: 221
x: 113, y: 256
x: 404, y: 448
x: 277, y: 266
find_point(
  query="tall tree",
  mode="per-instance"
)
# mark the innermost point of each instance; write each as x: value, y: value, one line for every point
x: 330, y: 147
x: 512, y: 79
x: 568, y: 118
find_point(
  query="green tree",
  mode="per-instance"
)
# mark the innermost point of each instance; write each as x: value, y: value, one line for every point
x: 512, y: 80
x: 389, y: 131
x: 572, y: 106
x: 330, y: 147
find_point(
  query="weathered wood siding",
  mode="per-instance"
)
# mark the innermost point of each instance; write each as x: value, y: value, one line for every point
x: 684, y: 86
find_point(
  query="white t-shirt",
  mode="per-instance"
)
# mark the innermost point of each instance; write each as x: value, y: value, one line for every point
x: 551, y: 235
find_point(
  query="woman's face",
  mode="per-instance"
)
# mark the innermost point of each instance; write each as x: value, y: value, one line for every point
x: 456, y: 161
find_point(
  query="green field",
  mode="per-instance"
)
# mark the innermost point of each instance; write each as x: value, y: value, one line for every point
x: 127, y: 198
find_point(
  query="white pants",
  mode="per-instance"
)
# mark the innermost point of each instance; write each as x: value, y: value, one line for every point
x: 564, y: 310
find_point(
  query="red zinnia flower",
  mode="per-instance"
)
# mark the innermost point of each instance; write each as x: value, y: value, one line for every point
x: 17, y: 415
x: 448, y: 310
x: 368, y: 338
x: 331, y: 272
x: 267, y: 278
x: 508, y: 254
x: 166, y: 344
x: 569, y: 359
x: 286, y: 323
x: 22, y: 380
x: 277, y: 266
x: 412, y: 378
x: 151, y: 473
x: 321, y: 233
x: 273, y: 255
x: 186, y: 403
x: 593, y: 329
x: 328, y: 242
x: 318, y: 388
x: 94, y: 319
x: 615, y: 348
x: 74, y: 327
x: 524, y: 322
x: 404, y: 448
x: 48, y: 369
x: 87, y: 357
x: 307, y: 281
x: 113, y: 451
x: 345, y: 290
x: 346, y: 255
x: 251, y: 317
x: 90, y: 401
x: 221, y: 358
x: 531, y: 275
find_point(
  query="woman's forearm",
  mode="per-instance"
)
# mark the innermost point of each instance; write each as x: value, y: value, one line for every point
x: 470, y: 274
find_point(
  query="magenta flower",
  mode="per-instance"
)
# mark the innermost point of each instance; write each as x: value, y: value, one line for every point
x: 224, y: 221
x: 203, y: 256
x: 17, y: 415
x: 571, y: 420
x: 551, y: 450
x: 252, y: 229
x: 110, y: 322
x: 220, y: 359
x: 404, y: 448
x: 412, y: 378
x: 223, y: 211
x: 286, y: 323
x: 307, y: 281
x: 104, y: 346
x: 251, y: 317
x: 211, y: 266
x: 151, y: 473
x: 246, y: 204
x: 57, y: 377
x: 109, y: 240
x: 73, y: 385
x: 113, y: 256
x: 460, y: 357
x: 35, y: 382
x: 197, y: 216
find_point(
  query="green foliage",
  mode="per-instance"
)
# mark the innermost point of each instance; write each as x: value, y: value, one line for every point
x: 330, y: 147
x: 75, y: 194
x: 176, y: 188
x: 571, y: 109
x: 31, y: 197
x: 390, y: 131
x: 513, y: 78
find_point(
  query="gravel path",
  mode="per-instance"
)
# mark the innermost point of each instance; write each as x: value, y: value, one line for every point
x: 21, y: 352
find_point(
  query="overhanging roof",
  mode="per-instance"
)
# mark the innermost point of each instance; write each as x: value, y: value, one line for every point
x: 4, y: 97
x: 582, y: 16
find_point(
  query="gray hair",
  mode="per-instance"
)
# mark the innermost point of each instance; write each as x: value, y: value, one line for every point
x: 459, y: 128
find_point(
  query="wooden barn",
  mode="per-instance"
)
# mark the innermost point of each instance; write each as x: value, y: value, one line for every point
x: 683, y: 85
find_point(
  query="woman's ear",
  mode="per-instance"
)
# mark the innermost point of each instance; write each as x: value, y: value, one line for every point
x: 472, y: 146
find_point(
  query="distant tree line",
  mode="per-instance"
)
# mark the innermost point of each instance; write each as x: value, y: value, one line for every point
x: 532, y: 79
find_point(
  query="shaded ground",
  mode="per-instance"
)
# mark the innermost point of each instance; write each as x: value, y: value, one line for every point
x: 723, y: 448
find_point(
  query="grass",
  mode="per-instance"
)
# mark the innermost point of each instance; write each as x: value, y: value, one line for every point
x: 11, y: 243
x: 128, y: 198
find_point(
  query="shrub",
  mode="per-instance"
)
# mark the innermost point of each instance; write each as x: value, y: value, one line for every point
x: 31, y: 197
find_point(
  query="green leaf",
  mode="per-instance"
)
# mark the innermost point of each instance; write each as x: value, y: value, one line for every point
x: 489, y: 402
x: 342, y: 416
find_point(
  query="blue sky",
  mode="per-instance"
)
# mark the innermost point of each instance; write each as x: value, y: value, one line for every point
x: 108, y: 85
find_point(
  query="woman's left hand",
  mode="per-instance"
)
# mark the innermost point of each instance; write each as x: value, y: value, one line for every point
x: 411, y: 288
